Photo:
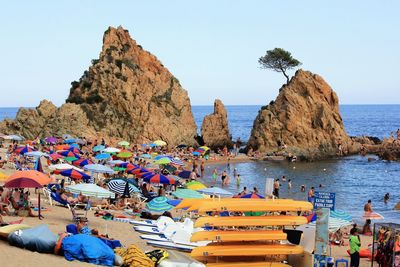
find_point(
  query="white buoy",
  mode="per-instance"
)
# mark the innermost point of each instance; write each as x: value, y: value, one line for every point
x: 324, y: 170
x: 294, y: 167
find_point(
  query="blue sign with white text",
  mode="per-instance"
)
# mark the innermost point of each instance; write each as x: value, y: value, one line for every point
x: 324, y: 200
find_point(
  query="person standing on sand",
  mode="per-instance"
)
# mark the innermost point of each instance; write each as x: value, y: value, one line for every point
x: 311, y: 195
x: 368, y: 206
x: 355, y: 244
x: 215, y: 176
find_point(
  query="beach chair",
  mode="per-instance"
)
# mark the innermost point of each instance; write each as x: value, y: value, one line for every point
x: 57, y: 198
x: 76, y: 216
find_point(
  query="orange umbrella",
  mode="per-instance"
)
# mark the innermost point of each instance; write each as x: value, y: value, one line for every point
x: 28, y: 179
x: 62, y: 147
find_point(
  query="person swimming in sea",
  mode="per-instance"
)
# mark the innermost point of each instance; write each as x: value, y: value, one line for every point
x: 238, y: 180
x: 289, y: 184
x: 303, y: 188
x: 386, y: 198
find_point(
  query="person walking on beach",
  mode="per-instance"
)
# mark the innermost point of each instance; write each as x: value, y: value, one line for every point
x: 355, y: 244
x: 368, y: 206
x: 276, y: 188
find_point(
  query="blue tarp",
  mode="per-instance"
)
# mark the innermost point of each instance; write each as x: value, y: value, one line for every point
x: 39, y: 239
x: 88, y: 249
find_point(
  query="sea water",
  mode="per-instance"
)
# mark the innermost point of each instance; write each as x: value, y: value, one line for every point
x: 354, y: 179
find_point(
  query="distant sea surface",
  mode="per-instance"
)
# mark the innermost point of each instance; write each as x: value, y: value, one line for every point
x: 371, y: 120
x: 354, y: 179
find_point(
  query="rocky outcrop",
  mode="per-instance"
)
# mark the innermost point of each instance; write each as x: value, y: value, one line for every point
x: 215, y: 129
x: 303, y: 120
x: 127, y: 93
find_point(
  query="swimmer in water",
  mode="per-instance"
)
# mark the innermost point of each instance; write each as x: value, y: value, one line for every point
x: 289, y: 184
x: 303, y: 188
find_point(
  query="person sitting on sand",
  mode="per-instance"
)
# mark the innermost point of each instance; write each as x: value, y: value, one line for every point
x: 368, y: 206
x: 367, y: 228
x: 82, y: 226
x: 22, y: 203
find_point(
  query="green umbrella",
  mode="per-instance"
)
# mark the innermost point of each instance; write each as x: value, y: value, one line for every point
x: 158, y: 204
x: 119, y: 169
x: 187, y: 193
x: 124, y: 154
x: 70, y: 159
x: 162, y: 161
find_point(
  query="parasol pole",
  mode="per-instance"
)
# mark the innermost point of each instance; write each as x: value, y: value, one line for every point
x: 40, y: 209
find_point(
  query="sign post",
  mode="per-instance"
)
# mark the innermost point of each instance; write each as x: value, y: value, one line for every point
x: 324, y: 200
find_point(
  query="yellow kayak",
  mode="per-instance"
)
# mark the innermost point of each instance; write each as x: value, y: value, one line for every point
x: 247, y: 264
x: 256, y: 206
x: 278, y: 220
x: 245, y: 250
x: 252, y: 235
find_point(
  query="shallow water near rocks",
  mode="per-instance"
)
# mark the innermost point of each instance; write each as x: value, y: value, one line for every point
x: 354, y: 180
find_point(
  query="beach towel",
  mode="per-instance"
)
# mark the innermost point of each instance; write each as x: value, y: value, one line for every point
x: 88, y: 249
x: 39, y: 239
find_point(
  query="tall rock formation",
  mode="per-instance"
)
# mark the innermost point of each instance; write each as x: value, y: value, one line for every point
x: 305, y: 118
x: 127, y: 93
x: 215, y: 129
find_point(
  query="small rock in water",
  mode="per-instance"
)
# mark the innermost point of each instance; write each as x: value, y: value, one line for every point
x: 324, y: 170
x: 294, y: 167
x: 265, y: 169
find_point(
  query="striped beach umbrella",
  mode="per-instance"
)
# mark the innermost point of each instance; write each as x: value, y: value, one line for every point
x: 90, y: 190
x: 70, y: 159
x: 177, y: 162
x: 74, y: 150
x: 340, y: 214
x: 187, y: 193
x: 128, y: 165
x: 159, y: 204
x: 23, y: 149
x: 82, y: 162
x: 118, y: 186
x: 67, y: 153
x: 159, y: 179
x: 74, y: 174
x: 252, y: 195
x: 55, y: 156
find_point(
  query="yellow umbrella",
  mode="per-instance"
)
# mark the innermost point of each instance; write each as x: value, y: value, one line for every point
x: 3, y: 176
x: 205, y: 148
x: 160, y: 143
x: 194, y: 185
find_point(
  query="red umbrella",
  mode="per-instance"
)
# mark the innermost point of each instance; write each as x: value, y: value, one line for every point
x: 73, y: 174
x: 55, y: 156
x: 28, y: 179
x: 159, y: 179
x: 23, y: 149
x: 82, y: 162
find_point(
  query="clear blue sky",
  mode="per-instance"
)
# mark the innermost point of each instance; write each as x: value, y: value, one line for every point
x: 212, y: 47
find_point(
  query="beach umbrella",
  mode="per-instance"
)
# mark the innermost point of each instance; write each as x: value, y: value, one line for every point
x: 145, y: 156
x: 143, y: 174
x: 90, y: 190
x: 35, y: 154
x: 123, y: 143
x: 51, y: 140
x: 70, y: 141
x: 340, y: 214
x: 116, y: 162
x: 74, y: 174
x: 181, y: 146
x: 163, y: 161
x: 38, y: 165
x: 62, y: 147
x: 174, y: 202
x: 204, y: 148
x: 195, y: 185
x: 14, y: 137
x: 119, y: 186
x: 23, y: 149
x: 128, y: 165
x: 177, y: 162
x: 124, y: 154
x: 82, y: 162
x: 98, y: 148
x: 55, y: 156
x: 252, y: 195
x: 160, y: 157
x: 159, y: 204
x: 169, y: 168
x: 119, y: 169
x: 75, y: 150
x: 75, y: 145
x: 67, y: 153
x: 66, y: 136
x: 102, y: 156
x: 334, y: 224
x: 196, y: 153
x: 3, y: 176
x: 98, y: 168
x: 28, y: 179
x: 111, y: 150
x: 215, y: 191
x: 184, y: 174
x: 64, y: 166
x: 160, y: 143
x: 137, y: 171
x: 70, y: 159
x: 186, y: 193
x: 159, y: 179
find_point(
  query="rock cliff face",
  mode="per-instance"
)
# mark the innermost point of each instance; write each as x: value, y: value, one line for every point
x: 127, y: 93
x: 305, y: 118
x: 215, y: 129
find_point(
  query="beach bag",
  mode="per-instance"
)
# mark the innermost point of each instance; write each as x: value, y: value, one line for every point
x: 39, y: 239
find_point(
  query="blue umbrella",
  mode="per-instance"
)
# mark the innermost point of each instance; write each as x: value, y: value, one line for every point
x: 159, y: 204
x: 145, y: 156
x: 74, y: 145
x: 70, y: 141
x: 102, y: 156
x: 161, y: 156
x: 152, y: 145
x: 184, y: 174
x: 98, y: 168
x: 177, y: 162
x: 196, y: 153
x: 98, y: 148
x: 174, y: 202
